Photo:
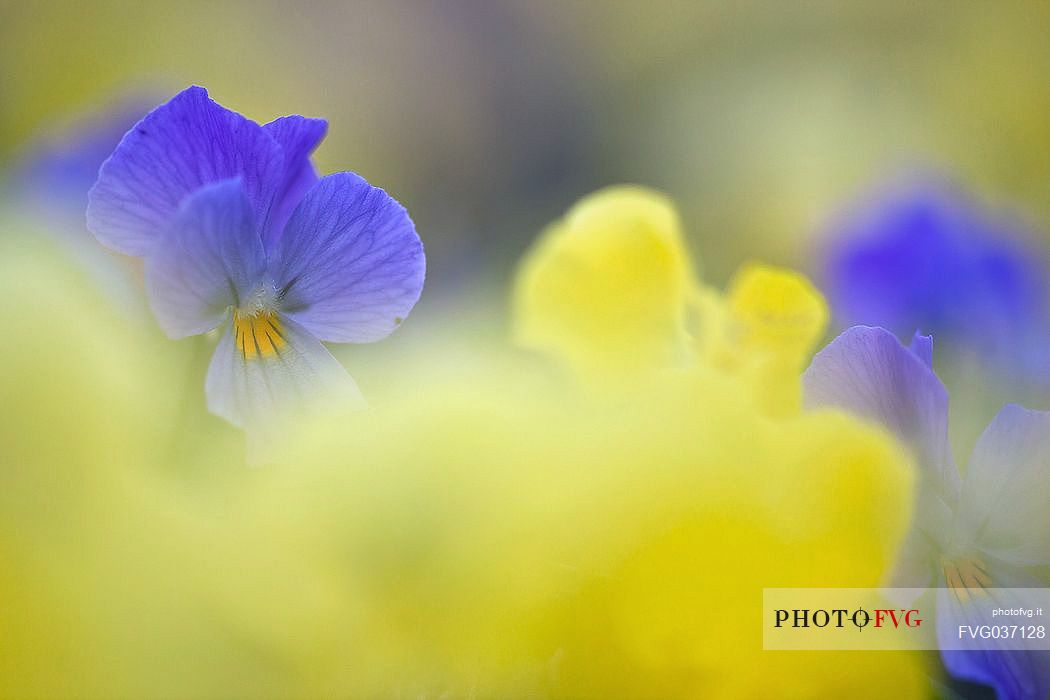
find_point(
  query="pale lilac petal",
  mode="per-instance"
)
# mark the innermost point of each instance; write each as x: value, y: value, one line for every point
x: 869, y: 373
x: 1005, y: 505
x: 298, y: 137
x: 349, y: 266
x: 210, y: 260
x: 260, y: 394
x: 917, y: 561
x: 184, y: 144
x: 922, y: 347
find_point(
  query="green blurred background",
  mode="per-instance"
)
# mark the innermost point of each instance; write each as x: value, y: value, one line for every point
x: 489, y: 118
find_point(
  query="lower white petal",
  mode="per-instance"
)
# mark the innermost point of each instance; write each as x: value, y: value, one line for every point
x: 267, y: 370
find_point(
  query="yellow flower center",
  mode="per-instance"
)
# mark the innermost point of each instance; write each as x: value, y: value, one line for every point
x: 258, y: 334
x: 966, y: 577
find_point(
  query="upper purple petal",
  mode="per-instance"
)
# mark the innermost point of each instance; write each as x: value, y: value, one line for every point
x: 349, y: 266
x: 212, y: 258
x: 298, y: 137
x: 184, y: 144
x: 1004, y: 506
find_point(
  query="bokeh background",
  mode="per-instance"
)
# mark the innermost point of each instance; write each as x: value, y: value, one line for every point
x: 764, y: 121
x: 488, y: 119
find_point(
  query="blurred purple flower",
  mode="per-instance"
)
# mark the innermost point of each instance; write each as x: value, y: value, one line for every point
x: 989, y: 530
x: 49, y: 186
x: 923, y: 255
x: 238, y: 230
x: 54, y: 176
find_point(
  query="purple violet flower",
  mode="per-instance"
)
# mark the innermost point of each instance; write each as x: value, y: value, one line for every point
x: 237, y: 230
x: 987, y: 530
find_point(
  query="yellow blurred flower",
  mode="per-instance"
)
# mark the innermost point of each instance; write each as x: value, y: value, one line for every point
x: 610, y: 291
x: 764, y: 330
x: 605, y: 289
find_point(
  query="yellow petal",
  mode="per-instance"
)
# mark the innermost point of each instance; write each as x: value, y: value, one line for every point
x: 775, y: 312
x: 762, y: 331
x: 605, y: 289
